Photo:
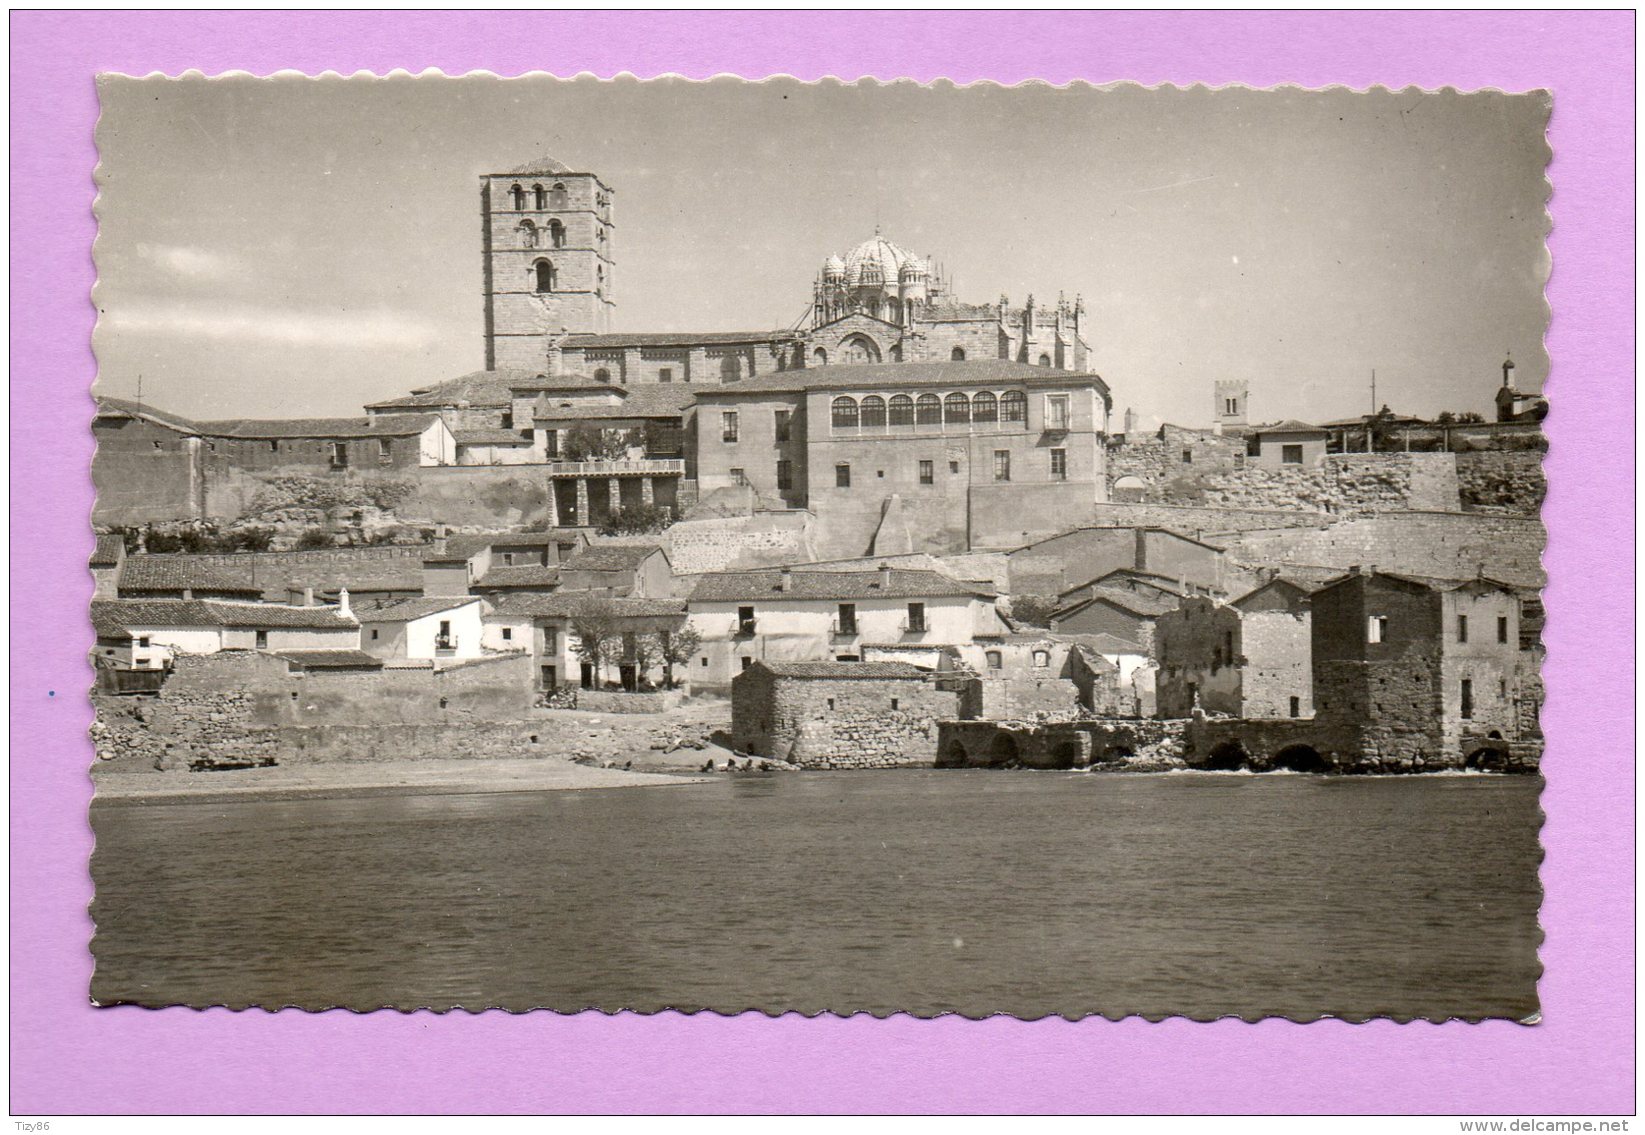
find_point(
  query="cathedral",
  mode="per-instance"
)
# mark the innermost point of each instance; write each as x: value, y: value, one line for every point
x: 550, y: 273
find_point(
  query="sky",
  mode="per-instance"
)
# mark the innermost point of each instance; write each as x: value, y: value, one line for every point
x: 287, y: 247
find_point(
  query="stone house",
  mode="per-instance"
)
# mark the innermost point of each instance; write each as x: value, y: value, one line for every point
x: 641, y: 570
x: 441, y: 628
x: 839, y: 714
x: 1129, y: 616
x: 496, y: 561
x: 1083, y: 556
x: 334, y: 445
x: 1251, y: 658
x: 797, y: 615
x: 1287, y: 444
x: 545, y: 627
x: 1414, y: 665
x: 108, y: 556
x: 149, y: 465
x: 149, y: 634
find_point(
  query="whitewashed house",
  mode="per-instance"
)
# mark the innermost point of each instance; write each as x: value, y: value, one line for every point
x: 146, y: 634
x: 435, y: 628
x: 801, y: 615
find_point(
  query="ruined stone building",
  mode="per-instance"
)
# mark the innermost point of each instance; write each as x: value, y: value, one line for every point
x: 1416, y: 666
x: 1251, y: 658
x: 839, y: 714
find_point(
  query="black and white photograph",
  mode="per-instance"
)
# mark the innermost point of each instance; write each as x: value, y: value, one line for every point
x: 589, y: 544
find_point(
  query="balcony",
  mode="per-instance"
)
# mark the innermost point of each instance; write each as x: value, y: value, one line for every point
x: 914, y: 626
x: 841, y: 631
x: 745, y: 628
x: 640, y: 467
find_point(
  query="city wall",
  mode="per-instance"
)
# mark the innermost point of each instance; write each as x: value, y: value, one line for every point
x: 1504, y: 482
x: 1446, y: 544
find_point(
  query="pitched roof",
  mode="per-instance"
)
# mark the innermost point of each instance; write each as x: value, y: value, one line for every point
x: 647, y: 400
x: 481, y: 388
x: 739, y: 586
x: 979, y: 372
x: 277, y: 615
x: 544, y: 164
x: 119, y: 615
x: 1105, y: 643
x: 678, y: 338
x: 953, y: 311
x: 331, y: 659
x: 122, y: 408
x: 489, y: 437
x: 389, y: 425
x: 1150, y: 606
x: 611, y: 557
x: 460, y: 548
x: 521, y: 575
x: 1288, y: 426
x: 845, y: 670
x: 195, y: 573
x: 110, y: 547
x: 566, y: 604
x: 1300, y: 590
x: 405, y: 610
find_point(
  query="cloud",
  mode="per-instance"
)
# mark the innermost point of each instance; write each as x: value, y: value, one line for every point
x: 191, y: 263
x: 255, y: 325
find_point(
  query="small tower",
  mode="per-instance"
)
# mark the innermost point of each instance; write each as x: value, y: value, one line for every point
x: 1508, y: 373
x: 547, y: 240
x: 1229, y: 412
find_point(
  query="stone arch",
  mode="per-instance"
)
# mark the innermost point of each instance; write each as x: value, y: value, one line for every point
x: 1300, y: 758
x: 1226, y: 757
x: 1487, y: 758
x: 820, y: 357
x: 1003, y: 751
x: 954, y: 755
x: 957, y: 355
x: 1129, y: 489
x: 1070, y: 753
x: 543, y: 273
x: 859, y: 348
x: 1117, y: 751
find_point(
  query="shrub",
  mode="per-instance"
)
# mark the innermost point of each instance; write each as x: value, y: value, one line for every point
x: 636, y: 520
x: 312, y: 539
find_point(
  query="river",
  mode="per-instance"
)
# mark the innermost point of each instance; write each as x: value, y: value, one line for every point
x: 1027, y: 893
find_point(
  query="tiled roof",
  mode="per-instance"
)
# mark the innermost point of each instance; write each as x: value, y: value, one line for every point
x: 982, y: 372
x: 678, y: 338
x: 481, y: 388
x: 741, y: 586
x: 489, y: 437
x: 565, y: 604
x: 611, y: 557
x: 116, y: 614
x: 460, y: 548
x: 390, y: 425
x: 954, y: 312
x: 1137, y: 604
x: 1289, y: 426
x: 845, y: 670
x: 521, y: 575
x: 108, y: 550
x: 1301, y: 589
x: 120, y: 407
x: 176, y: 572
x: 544, y: 164
x: 332, y: 659
x: 405, y: 610
x: 1106, y: 643
x: 645, y: 400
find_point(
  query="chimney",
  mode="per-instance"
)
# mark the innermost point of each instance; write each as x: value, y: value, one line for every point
x: 1363, y: 569
x: 1141, y: 556
x: 343, y: 609
x: 785, y: 580
x: 300, y: 597
x: 188, y: 593
x: 885, y: 577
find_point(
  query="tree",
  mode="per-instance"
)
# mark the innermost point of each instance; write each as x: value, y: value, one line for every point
x: 677, y: 648
x: 594, y: 626
x: 313, y: 538
x: 584, y: 442
x: 1445, y: 418
x: 1469, y: 418
x: 636, y: 520
x: 647, y: 649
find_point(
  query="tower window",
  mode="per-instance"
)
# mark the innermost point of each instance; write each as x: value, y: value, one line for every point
x: 602, y: 375
x: 1462, y: 628
x: 539, y: 197
x: 1502, y: 628
x: 780, y: 425
x: 665, y: 374
x: 556, y: 234
x: 730, y: 369
x: 385, y: 451
x: 1056, y: 411
x: 518, y: 195
x: 785, y: 475
x: 1467, y: 709
x: 1230, y: 406
x: 528, y: 235
x: 1376, y: 628
x: 957, y: 354
x: 557, y: 196
x: 928, y: 474
x: 728, y: 425
x: 545, y: 276
x: 1045, y: 360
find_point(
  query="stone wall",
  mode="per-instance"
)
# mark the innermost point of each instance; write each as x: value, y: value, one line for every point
x: 1200, y: 521
x: 1502, y: 482
x: 1020, y: 698
x: 731, y: 543
x: 1059, y: 745
x: 1158, y: 458
x: 838, y: 723
x: 1344, y: 484
x: 1447, y: 544
x: 622, y: 701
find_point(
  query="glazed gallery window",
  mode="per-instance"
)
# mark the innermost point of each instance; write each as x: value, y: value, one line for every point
x: 728, y: 425
x: 1013, y: 406
x: 956, y: 409
x: 842, y: 476
x: 900, y: 411
x: 844, y: 413
x: 928, y: 473
x: 1002, y: 465
x: 873, y: 411
x: 1056, y: 411
x: 928, y: 410
x: 1059, y: 465
x: 985, y: 407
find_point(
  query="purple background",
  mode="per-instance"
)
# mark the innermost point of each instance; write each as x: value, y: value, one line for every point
x: 68, y: 1057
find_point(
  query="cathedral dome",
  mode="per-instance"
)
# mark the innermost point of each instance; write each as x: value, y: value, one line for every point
x: 833, y: 268
x: 544, y: 164
x: 876, y: 261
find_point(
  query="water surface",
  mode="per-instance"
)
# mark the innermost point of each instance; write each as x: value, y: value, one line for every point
x: 926, y: 891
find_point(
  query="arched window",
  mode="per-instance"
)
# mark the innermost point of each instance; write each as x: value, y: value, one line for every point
x: 902, y: 410
x: 957, y: 354
x: 1013, y: 406
x: 984, y: 408
x: 896, y: 352
x: 556, y: 233
x: 894, y: 310
x: 1045, y: 360
x: 528, y: 235
x: 873, y: 410
x: 602, y: 375
x: 956, y: 409
x: 519, y: 197
x: 859, y: 349
x: 545, y: 275
x: 539, y: 198
x: 928, y: 410
x: 557, y: 197
x: 845, y: 413
x: 820, y: 357
x: 730, y: 368
x: 599, y: 279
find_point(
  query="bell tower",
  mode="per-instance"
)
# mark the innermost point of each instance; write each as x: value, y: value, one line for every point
x: 547, y: 238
